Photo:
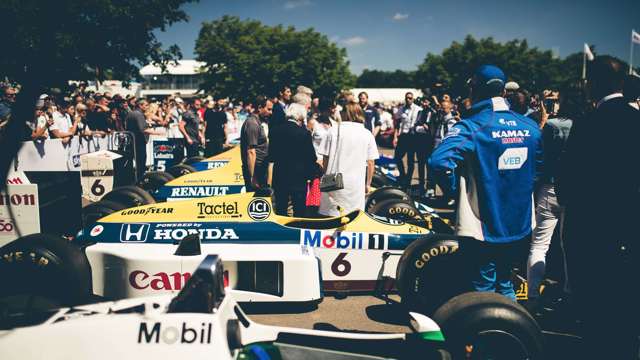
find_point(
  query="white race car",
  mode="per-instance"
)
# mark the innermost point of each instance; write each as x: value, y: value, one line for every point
x: 204, y: 322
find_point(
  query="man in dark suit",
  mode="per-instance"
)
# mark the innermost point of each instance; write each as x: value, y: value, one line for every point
x: 599, y: 185
x: 294, y: 162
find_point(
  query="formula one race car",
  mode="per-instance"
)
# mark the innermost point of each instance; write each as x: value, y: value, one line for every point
x: 204, y: 321
x: 269, y: 258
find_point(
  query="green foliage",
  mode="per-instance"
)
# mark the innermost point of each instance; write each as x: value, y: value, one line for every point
x: 386, y: 79
x: 246, y: 58
x: 50, y: 42
x: 532, y: 68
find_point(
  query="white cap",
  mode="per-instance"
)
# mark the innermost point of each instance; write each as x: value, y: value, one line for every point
x: 511, y: 86
x: 178, y: 100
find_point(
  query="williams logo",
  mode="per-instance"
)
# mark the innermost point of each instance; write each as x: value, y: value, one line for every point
x: 156, y: 334
x: 259, y: 209
x: 134, y: 232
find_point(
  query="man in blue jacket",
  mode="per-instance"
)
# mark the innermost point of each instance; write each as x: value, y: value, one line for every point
x: 491, y: 159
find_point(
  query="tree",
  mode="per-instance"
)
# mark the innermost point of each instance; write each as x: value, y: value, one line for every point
x: 386, y: 79
x: 246, y: 58
x: 47, y: 43
x: 532, y: 68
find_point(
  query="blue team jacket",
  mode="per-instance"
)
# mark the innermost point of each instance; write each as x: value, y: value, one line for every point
x: 491, y: 159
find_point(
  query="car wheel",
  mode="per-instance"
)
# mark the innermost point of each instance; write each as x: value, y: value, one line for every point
x: 385, y: 193
x: 397, y: 209
x: 45, y: 266
x: 130, y: 196
x: 180, y: 170
x: 93, y: 212
x: 379, y: 180
x: 485, y: 325
x: 431, y: 271
x: 192, y: 160
x: 154, y: 180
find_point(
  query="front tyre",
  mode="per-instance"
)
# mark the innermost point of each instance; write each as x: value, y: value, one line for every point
x: 486, y: 325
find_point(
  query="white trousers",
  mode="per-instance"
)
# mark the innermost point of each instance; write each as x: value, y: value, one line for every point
x: 548, y: 214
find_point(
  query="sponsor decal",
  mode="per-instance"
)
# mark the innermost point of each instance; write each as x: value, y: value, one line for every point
x: 97, y: 230
x: 507, y: 122
x: 19, y: 256
x: 6, y: 226
x: 147, y: 211
x: 140, y: 280
x: 429, y: 254
x: 204, y: 233
x: 216, y: 164
x: 134, y: 232
x: 402, y: 210
x: 157, y: 333
x: 15, y: 181
x: 454, y: 131
x: 226, y: 209
x: 513, y: 159
x: 198, y: 191
x: 510, y: 136
x: 259, y: 209
x: 17, y: 199
x: 342, y: 240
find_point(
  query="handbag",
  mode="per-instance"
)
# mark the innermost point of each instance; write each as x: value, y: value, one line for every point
x: 333, y: 181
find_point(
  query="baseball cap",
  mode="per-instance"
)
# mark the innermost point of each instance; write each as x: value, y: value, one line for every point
x: 490, y: 77
x: 179, y: 100
x: 511, y: 86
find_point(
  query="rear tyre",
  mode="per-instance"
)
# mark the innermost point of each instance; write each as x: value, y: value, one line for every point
x: 397, y: 209
x: 385, y: 193
x: 154, y: 180
x: 93, y: 212
x: 180, y: 170
x: 130, y: 196
x: 192, y: 160
x: 431, y: 271
x: 379, y: 180
x: 485, y: 325
x: 47, y: 267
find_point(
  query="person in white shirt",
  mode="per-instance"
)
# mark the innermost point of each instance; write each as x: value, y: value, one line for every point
x: 64, y: 126
x: 349, y: 149
x: 404, y: 138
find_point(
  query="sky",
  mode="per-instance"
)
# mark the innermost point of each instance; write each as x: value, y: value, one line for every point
x: 390, y: 35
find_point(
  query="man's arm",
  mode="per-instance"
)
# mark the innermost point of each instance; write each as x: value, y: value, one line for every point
x: 181, y: 126
x: 251, y: 161
x: 445, y: 158
x: 370, y: 170
x: 372, y: 155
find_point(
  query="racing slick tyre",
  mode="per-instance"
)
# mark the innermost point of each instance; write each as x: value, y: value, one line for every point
x: 130, y: 196
x: 93, y: 212
x: 431, y: 271
x: 192, y: 160
x: 384, y: 193
x: 44, y: 268
x: 154, y: 180
x: 181, y: 169
x: 379, y: 180
x: 486, y: 325
x: 397, y: 209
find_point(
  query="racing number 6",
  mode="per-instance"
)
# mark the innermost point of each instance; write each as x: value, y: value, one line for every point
x: 97, y: 189
x: 340, y: 266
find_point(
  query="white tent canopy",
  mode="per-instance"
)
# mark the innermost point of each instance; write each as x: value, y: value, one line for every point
x: 386, y: 96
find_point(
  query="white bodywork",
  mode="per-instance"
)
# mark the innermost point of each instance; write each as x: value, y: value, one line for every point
x: 120, y: 271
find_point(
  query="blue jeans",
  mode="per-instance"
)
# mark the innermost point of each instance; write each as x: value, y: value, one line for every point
x: 495, y: 266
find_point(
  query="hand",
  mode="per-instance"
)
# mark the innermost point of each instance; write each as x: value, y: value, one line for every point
x: 254, y: 183
x: 367, y: 189
x: 190, y: 141
x: 395, y: 141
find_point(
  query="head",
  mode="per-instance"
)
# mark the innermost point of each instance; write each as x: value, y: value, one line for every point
x: 487, y: 82
x: 353, y: 112
x: 143, y: 105
x: 264, y: 106
x: 511, y: 87
x: 408, y: 98
x: 70, y: 109
x: 302, y: 99
x: 297, y: 112
x: 446, y: 106
x: 631, y: 88
x: 605, y: 76
x: 285, y: 94
x: 363, y: 98
x: 9, y: 94
x: 81, y: 110
x: 197, y: 103
x: 326, y: 106
x: 519, y: 101
x: 304, y: 90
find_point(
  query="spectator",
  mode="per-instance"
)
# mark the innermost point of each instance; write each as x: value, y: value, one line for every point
x: 6, y: 104
x: 403, y: 140
x: 189, y: 127
x: 40, y: 130
x: 494, y: 153
x: 254, y: 146
x: 371, y: 116
x: 349, y: 149
x: 548, y: 211
x: 323, y: 124
x: 98, y: 115
x: 215, y: 123
x: 387, y: 130
x: 64, y: 124
x: 292, y: 169
x: 280, y: 104
x: 424, y: 143
x: 80, y: 118
x: 603, y: 260
x: 137, y: 124
x: 445, y: 121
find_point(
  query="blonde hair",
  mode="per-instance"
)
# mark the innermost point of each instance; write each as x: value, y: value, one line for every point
x: 353, y: 112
